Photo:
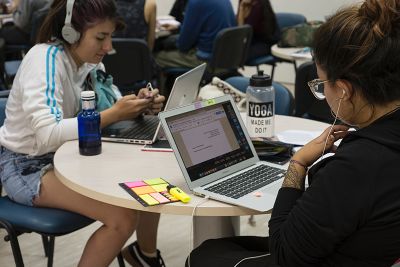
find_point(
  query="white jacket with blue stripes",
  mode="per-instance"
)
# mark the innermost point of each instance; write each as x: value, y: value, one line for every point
x: 44, y: 101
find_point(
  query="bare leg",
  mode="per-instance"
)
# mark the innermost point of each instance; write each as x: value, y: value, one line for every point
x: 146, y: 237
x: 106, y: 242
x: 147, y: 231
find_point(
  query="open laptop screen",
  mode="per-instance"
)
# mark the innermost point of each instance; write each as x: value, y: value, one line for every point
x: 209, y: 139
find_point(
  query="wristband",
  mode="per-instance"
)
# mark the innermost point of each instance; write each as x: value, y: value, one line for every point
x: 299, y: 163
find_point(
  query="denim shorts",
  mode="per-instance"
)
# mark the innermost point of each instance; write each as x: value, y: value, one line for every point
x: 21, y: 174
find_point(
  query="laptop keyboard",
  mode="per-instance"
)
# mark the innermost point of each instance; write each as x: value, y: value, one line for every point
x: 142, y: 130
x: 246, y: 182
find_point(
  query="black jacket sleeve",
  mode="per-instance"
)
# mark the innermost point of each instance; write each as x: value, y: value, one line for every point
x: 306, y: 227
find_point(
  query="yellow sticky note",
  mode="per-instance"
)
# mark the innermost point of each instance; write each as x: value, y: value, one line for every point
x: 154, y: 181
x: 160, y: 187
x: 149, y: 199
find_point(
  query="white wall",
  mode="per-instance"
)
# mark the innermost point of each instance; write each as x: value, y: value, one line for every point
x: 312, y: 9
x: 163, y: 6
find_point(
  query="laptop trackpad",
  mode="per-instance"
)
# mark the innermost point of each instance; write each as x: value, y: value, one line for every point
x: 120, y: 125
x: 273, y: 189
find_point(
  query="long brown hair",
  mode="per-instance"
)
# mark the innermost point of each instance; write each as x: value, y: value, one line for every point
x: 361, y: 44
x: 270, y: 24
x: 85, y: 14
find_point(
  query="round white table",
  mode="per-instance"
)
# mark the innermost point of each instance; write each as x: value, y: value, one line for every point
x: 98, y: 176
x: 287, y: 53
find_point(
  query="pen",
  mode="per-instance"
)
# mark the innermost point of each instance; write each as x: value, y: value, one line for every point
x: 178, y: 193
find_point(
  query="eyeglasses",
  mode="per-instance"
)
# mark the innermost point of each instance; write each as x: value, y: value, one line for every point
x: 317, y: 88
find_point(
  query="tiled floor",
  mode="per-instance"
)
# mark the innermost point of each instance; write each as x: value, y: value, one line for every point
x: 173, y: 242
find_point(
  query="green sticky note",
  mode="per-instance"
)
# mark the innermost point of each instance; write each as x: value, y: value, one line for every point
x: 210, y: 102
x: 154, y: 181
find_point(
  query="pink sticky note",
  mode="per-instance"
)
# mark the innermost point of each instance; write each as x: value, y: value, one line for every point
x: 160, y: 198
x: 135, y: 184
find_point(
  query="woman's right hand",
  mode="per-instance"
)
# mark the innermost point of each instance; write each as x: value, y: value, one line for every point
x: 126, y: 108
x: 130, y: 107
x: 314, y: 149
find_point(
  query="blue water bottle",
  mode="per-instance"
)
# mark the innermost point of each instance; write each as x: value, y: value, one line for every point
x: 89, y: 126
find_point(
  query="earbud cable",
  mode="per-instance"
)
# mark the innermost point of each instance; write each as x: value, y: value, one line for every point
x: 333, y: 124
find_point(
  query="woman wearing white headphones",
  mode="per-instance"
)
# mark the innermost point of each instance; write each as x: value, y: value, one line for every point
x: 41, y: 116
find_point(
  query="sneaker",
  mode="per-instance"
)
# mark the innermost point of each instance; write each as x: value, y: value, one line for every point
x: 134, y: 256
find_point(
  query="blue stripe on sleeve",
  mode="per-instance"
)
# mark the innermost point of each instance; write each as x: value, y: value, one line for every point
x: 48, y: 76
x: 53, y: 87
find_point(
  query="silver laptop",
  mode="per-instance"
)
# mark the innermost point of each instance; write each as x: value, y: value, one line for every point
x: 216, y: 156
x: 147, y: 129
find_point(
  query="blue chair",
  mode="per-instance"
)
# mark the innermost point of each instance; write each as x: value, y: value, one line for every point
x: 10, y: 70
x: 230, y: 49
x: 18, y: 219
x: 284, y: 20
x: 11, y: 66
x: 283, y: 97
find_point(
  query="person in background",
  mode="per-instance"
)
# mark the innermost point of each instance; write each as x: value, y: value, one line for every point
x: 41, y: 116
x: 19, y: 31
x: 140, y: 19
x: 178, y: 10
x: 168, y: 42
x: 261, y: 17
x: 350, y: 213
x: 203, y: 20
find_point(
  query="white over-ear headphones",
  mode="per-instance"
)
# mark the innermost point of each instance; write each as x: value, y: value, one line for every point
x: 68, y: 32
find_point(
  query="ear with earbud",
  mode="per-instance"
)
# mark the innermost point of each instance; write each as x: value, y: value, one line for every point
x: 343, y: 94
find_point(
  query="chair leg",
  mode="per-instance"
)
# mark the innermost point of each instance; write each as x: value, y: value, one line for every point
x: 272, y: 72
x: 50, y: 251
x: 45, y: 242
x: 121, y: 262
x: 13, y: 238
x: 48, y: 246
x: 252, y: 221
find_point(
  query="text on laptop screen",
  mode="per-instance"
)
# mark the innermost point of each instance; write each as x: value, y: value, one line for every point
x: 209, y: 139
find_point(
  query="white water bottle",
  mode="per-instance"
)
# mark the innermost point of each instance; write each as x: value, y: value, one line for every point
x: 260, y: 106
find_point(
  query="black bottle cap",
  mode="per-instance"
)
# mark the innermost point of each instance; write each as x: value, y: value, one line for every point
x: 260, y: 79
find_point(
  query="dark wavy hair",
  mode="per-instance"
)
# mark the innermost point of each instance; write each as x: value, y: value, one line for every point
x: 85, y: 14
x: 270, y: 23
x: 361, y: 44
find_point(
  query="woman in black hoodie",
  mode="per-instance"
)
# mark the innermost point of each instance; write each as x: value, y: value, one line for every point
x: 350, y: 213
